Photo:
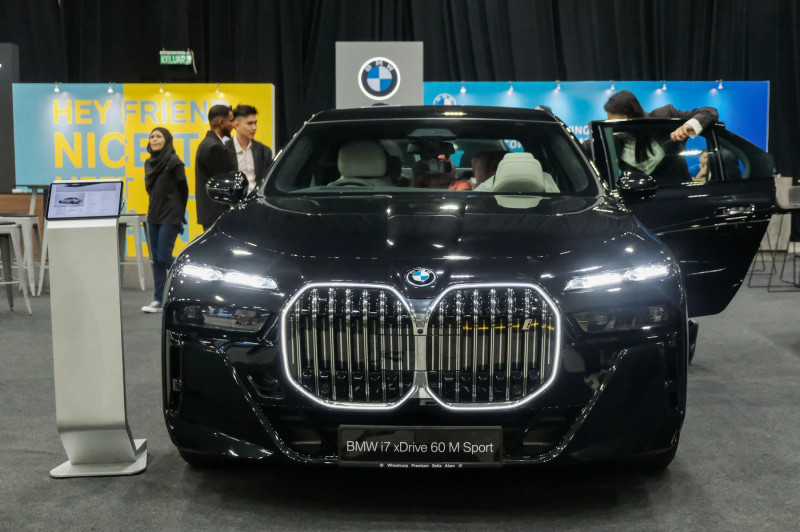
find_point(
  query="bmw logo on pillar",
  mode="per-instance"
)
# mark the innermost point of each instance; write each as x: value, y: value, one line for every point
x: 379, y: 78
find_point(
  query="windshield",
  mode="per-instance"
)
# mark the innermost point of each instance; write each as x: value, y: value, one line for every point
x: 432, y: 155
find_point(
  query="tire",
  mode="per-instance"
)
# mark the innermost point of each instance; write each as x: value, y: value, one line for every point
x: 694, y: 327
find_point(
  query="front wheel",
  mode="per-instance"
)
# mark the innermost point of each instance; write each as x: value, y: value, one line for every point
x: 694, y: 327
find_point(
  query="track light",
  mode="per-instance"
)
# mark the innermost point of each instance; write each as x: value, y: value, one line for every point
x: 55, y: 87
x: 720, y: 85
x: 663, y: 85
x: 558, y: 85
x: 161, y: 88
x: 463, y: 88
x: 612, y: 89
x: 510, y: 87
x: 110, y: 88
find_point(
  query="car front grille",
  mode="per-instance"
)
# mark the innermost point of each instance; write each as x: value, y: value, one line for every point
x: 490, y: 345
x: 354, y: 345
x: 351, y: 344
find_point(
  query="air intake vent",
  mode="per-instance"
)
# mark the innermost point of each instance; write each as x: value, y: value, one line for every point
x: 350, y: 344
x: 490, y: 345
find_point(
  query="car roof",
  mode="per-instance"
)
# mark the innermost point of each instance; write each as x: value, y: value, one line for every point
x: 383, y: 112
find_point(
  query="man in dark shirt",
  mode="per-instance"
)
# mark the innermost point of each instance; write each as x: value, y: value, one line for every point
x: 212, y: 159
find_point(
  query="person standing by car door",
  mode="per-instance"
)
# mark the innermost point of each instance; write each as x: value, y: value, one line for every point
x: 165, y: 182
x: 646, y: 153
x: 250, y: 156
x: 211, y: 159
x: 624, y: 104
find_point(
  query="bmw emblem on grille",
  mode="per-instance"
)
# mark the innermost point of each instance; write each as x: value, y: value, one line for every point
x: 421, y: 277
x: 379, y: 78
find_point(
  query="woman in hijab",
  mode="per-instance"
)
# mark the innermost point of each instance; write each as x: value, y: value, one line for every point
x: 165, y: 181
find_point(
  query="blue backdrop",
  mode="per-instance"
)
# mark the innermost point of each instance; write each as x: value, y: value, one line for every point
x: 743, y: 105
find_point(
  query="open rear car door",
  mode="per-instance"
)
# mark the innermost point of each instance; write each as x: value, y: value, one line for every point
x: 709, y: 199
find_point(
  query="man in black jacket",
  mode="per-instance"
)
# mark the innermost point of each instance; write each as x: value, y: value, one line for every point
x: 212, y: 159
x: 248, y: 155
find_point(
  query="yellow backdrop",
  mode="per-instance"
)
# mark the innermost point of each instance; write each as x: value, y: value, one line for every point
x: 183, y: 110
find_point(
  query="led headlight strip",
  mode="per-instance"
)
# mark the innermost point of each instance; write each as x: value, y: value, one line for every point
x: 208, y: 273
x: 604, y: 279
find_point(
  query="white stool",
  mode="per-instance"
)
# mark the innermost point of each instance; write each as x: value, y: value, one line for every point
x: 26, y: 224
x: 11, y: 230
x: 138, y: 222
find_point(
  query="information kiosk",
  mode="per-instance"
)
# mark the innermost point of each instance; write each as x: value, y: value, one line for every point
x: 87, y: 331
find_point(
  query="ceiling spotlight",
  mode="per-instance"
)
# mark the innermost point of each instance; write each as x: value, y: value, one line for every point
x: 463, y: 88
x: 510, y: 87
x: 663, y: 85
x: 161, y: 88
x: 55, y: 87
x: 720, y: 85
x: 612, y: 86
x: 558, y: 85
x: 110, y: 88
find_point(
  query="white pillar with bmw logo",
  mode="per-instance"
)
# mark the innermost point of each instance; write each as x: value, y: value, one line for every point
x: 378, y: 73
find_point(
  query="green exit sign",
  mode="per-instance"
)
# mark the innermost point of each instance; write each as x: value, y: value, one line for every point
x: 176, y: 58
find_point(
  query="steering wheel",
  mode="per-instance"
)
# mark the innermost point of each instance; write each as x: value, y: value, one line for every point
x: 351, y: 181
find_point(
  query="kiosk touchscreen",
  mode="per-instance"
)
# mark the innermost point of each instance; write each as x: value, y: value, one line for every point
x: 93, y: 199
x: 82, y: 222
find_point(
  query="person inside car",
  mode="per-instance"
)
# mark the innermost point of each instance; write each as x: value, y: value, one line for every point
x: 437, y: 172
x: 484, y: 166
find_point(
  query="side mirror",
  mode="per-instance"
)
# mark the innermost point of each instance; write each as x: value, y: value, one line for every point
x: 230, y: 187
x: 636, y: 185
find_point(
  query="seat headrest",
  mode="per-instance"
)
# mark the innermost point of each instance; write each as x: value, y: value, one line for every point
x: 519, y: 172
x: 362, y: 158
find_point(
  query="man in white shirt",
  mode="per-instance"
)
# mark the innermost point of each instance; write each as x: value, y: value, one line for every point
x: 250, y: 156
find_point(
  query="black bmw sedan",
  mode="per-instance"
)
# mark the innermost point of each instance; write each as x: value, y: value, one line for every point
x: 376, y: 303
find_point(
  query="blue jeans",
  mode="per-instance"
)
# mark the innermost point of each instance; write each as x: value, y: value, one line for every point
x: 162, y: 240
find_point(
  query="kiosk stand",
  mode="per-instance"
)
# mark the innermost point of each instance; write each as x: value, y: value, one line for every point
x: 87, y: 331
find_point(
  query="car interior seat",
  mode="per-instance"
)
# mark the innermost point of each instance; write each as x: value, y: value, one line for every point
x: 519, y: 172
x: 362, y: 162
x: 549, y: 182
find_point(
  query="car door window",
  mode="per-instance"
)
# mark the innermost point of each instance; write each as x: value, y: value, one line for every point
x: 645, y: 146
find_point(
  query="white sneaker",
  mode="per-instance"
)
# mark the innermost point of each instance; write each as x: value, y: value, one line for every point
x: 152, y: 308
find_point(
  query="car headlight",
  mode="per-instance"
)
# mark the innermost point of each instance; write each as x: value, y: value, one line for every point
x: 604, y: 279
x: 623, y: 319
x: 220, y: 317
x: 210, y: 273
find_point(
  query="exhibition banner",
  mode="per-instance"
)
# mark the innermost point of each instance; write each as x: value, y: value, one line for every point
x: 743, y: 105
x: 101, y: 130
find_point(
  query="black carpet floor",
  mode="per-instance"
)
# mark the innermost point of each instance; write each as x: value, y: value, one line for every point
x: 738, y: 466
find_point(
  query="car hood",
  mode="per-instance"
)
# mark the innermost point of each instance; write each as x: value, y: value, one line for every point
x: 380, y: 239
x: 398, y: 227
